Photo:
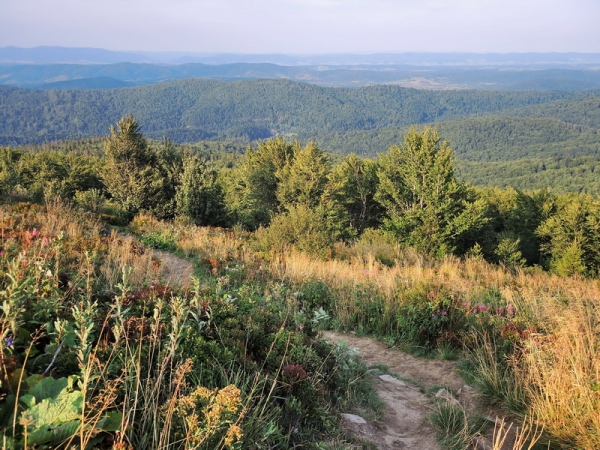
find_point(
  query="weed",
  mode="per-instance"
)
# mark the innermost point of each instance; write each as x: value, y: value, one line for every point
x: 455, y: 427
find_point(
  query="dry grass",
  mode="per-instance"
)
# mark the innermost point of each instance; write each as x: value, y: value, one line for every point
x: 126, y: 254
x: 560, y: 367
x: 562, y: 371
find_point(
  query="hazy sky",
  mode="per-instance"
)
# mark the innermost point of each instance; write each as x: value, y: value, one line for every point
x: 305, y: 26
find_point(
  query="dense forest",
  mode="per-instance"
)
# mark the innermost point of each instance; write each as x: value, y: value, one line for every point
x: 194, y: 109
x: 523, y: 139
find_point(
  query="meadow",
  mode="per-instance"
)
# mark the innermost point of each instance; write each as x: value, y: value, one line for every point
x: 98, y: 352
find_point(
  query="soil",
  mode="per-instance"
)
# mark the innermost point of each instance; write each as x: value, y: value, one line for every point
x: 174, y: 270
x: 405, y: 424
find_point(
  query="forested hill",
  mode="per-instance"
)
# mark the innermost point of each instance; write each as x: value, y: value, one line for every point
x: 193, y: 109
x: 522, y: 152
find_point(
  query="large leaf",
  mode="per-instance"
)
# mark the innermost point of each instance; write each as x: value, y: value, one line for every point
x: 54, y: 436
x: 48, y: 388
x: 53, y: 412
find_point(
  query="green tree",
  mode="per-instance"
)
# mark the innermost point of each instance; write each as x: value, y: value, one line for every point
x: 353, y: 183
x: 133, y: 174
x: 508, y: 251
x: 302, y: 181
x: 514, y: 216
x: 251, y: 195
x: 198, y: 195
x: 426, y: 206
x: 571, y: 236
x: 51, y: 174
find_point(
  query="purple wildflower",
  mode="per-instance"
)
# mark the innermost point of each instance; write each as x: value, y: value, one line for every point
x: 510, y: 310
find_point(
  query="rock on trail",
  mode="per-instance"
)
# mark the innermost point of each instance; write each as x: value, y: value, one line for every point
x: 405, y: 425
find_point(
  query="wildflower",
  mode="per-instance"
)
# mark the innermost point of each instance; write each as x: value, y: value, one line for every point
x: 510, y: 310
x: 431, y: 294
x: 35, y: 233
x: 46, y: 241
x: 234, y: 434
x: 10, y: 340
x: 444, y: 313
x: 481, y: 308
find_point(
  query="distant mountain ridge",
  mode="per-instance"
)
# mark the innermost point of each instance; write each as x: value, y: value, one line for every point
x: 81, y: 55
x: 435, y: 78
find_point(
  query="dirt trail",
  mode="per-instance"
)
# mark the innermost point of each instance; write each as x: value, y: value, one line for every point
x: 405, y: 425
x: 174, y: 270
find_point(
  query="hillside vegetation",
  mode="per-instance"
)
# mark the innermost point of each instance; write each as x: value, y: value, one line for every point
x: 497, y: 151
x: 99, y: 352
x: 524, y: 139
x: 190, y: 110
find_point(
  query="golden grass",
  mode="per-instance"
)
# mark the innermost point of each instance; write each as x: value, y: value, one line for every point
x: 562, y: 371
x: 560, y: 367
x: 126, y: 254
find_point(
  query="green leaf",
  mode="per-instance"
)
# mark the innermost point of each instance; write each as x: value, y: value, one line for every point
x: 48, y: 388
x: 27, y: 400
x: 52, y: 412
x: 54, y: 436
x: 32, y: 380
x: 112, y: 421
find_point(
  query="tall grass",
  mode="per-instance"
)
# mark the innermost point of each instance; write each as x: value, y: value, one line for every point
x: 533, y: 337
x: 95, y: 351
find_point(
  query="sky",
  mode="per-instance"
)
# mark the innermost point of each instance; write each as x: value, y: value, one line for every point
x: 305, y: 26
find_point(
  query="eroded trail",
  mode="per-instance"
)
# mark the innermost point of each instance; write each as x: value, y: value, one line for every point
x: 405, y: 424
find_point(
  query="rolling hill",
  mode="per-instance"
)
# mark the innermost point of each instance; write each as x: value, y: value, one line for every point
x: 193, y: 109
